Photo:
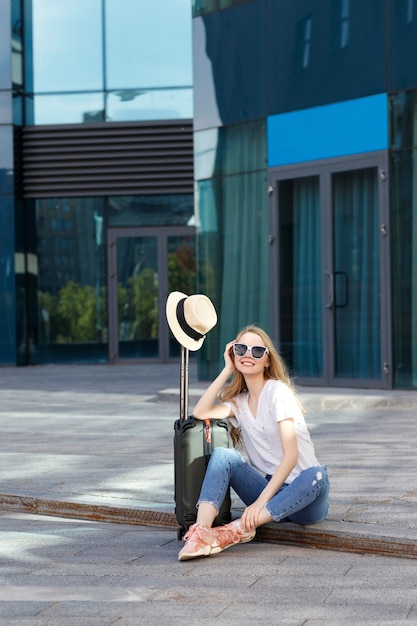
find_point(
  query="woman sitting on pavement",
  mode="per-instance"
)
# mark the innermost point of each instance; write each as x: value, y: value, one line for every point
x: 283, y: 479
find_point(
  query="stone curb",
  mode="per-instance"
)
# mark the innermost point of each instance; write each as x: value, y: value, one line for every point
x: 341, y: 536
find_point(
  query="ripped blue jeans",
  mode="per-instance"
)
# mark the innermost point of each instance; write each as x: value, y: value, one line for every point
x: 304, y: 501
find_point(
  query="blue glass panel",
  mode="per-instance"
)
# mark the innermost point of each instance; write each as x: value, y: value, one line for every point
x: 17, y: 44
x: 168, y: 210
x: 229, y: 61
x: 401, y: 44
x: 6, y: 159
x: 6, y: 111
x: 7, y: 282
x: 148, y: 44
x: 404, y: 266
x: 5, y: 46
x: 28, y: 46
x: 137, y: 291
x: 329, y: 131
x: 67, y: 45
x: 68, y: 108
x: 403, y: 109
x: 18, y: 110
x: 322, y: 52
x: 149, y: 104
x: 232, y: 219
x: 206, y: 104
x: 71, y: 296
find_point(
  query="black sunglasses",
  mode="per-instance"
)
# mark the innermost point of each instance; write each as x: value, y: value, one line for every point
x: 257, y: 352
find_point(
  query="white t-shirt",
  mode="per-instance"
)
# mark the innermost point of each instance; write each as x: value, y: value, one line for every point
x: 261, y: 434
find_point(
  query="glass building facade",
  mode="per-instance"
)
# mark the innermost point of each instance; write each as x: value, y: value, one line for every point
x: 96, y: 178
x: 304, y: 120
x: 261, y: 152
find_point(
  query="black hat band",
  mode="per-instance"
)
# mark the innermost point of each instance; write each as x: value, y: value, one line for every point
x: 194, y: 334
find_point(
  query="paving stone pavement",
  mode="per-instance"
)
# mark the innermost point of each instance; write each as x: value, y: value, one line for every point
x: 68, y: 572
x: 88, y: 443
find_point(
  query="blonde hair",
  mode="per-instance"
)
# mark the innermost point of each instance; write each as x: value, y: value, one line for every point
x: 276, y: 370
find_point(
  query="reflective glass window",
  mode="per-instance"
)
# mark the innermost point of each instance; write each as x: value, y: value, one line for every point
x: 137, y: 292
x: 68, y: 108
x: 403, y: 106
x: 6, y: 111
x: 148, y: 44
x: 207, y: 112
x: 17, y: 104
x: 149, y: 104
x: 17, y: 45
x: 7, y: 292
x: 403, y: 142
x: 200, y: 7
x: 404, y: 266
x: 310, y: 40
x: 205, y: 153
x: 6, y: 160
x: 175, y: 210
x: 5, y: 46
x: 401, y: 44
x: 229, y: 71
x: 67, y: 45
x: 230, y: 150
x: 72, y: 288
x: 232, y: 218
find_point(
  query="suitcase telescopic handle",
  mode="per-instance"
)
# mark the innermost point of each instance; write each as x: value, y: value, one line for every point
x: 185, y: 356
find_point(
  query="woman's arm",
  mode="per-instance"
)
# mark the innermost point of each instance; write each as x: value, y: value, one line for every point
x: 256, y: 514
x: 206, y: 407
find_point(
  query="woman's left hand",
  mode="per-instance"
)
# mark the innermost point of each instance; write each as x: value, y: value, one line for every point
x: 250, y: 517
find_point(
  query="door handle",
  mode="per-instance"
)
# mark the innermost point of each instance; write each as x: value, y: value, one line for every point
x: 330, y: 299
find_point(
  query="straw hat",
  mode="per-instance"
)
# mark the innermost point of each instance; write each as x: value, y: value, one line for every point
x: 190, y: 318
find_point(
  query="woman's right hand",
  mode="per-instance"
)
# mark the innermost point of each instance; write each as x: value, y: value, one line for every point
x: 229, y: 362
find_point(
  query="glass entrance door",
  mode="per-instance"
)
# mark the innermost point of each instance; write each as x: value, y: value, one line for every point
x: 137, y: 297
x: 300, y: 276
x: 144, y: 266
x: 330, y: 273
x: 354, y: 301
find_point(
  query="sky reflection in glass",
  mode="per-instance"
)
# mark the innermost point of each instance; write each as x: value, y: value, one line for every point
x: 115, y: 60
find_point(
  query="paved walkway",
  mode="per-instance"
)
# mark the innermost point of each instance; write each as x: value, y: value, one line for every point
x: 95, y: 442
x: 91, y: 446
